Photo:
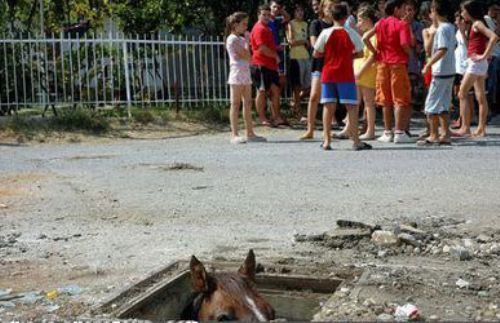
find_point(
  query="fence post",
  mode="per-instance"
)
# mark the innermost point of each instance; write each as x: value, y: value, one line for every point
x: 127, y: 79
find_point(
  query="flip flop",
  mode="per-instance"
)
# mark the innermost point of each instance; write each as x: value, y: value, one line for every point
x: 326, y: 148
x: 427, y: 143
x: 445, y: 143
x: 362, y: 146
x: 460, y: 135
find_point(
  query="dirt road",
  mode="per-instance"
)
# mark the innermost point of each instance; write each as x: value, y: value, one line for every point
x: 101, y: 215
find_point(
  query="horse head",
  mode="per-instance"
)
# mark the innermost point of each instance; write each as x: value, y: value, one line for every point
x: 228, y: 296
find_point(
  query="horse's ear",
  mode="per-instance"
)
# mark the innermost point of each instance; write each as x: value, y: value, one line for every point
x: 248, y: 268
x: 198, y: 275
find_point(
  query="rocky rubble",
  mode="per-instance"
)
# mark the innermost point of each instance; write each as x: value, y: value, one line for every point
x: 432, y: 238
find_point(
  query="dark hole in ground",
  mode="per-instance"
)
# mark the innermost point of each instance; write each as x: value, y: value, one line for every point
x: 294, y: 297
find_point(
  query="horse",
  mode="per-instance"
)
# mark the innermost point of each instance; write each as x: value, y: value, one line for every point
x: 226, y: 296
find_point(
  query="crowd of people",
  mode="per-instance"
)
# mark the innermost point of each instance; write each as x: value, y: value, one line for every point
x: 368, y: 55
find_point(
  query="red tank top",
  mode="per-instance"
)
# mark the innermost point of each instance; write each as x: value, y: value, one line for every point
x: 477, y: 43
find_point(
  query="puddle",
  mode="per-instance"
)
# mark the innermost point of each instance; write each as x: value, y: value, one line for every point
x: 165, y: 294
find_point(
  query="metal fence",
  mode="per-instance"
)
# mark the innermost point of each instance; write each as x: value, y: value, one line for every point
x: 98, y: 70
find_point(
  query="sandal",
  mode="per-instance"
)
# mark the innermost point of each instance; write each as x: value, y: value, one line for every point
x: 361, y: 146
x: 427, y: 143
x: 326, y: 148
x: 444, y: 143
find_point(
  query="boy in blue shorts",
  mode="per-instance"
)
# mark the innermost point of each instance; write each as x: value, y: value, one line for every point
x: 442, y: 62
x: 338, y: 46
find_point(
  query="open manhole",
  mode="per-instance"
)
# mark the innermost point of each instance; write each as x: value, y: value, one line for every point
x: 164, y: 295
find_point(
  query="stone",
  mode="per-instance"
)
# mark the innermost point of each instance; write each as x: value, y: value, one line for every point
x: 369, y: 302
x: 409, y: 239
x: 411, y: 230
x: 350, y: 234
x: 7, y: 304
x: 434, y: 318
x: 354, y: 224
x: 483, y: 294
x: 461, y: 253
x: 469, y: 243
x: 384, y: 238
x: 462, y: 283
x: 3, y: 206
x: 483, y: 238
x: 384, y: 317
x: 382, y: 253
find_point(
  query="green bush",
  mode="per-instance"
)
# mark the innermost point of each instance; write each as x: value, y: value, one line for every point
x: 143, y: 116
x: 80, y: 119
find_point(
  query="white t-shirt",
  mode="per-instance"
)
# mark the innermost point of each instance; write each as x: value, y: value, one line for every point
x: 460, y: 54
x: 444, y: 39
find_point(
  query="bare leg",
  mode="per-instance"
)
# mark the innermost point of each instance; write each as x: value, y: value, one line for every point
x: 388, y: 116
x: 312, y: 107
x: 368, y: 96
x: 234, y: 111
x: 465, y: 108
x: 275, y: 104
x: 296, y: 101
x: 247, y: 110
x: 443, y: 120
x: 260, y: 105
x: 401, y: 118
x: 433, y: 127
x: 483, y: 107
x: 328, y: 112
x: 352, y: 114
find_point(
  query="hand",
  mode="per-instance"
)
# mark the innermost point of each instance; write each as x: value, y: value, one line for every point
x: 425, y: 70
x: 477, y: 58
x: 357, y: 75
x: 278, y: 60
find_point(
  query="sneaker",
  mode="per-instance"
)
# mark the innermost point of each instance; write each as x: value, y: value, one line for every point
x: 256, y: 139
x: 388, y: 136
x: 402, y: 138
x: 238, y: 140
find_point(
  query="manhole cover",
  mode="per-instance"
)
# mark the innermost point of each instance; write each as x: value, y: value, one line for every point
x: 163, y: 295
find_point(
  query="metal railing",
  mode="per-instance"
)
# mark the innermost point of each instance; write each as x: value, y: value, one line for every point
x: 97, y: 70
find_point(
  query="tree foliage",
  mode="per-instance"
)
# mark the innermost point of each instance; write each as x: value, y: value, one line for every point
x: 133, y: 16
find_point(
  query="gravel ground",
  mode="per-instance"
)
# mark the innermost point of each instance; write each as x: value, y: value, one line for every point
x: 104, y: 214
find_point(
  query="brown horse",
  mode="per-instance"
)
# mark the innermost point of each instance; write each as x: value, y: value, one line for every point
x: 227, y: 296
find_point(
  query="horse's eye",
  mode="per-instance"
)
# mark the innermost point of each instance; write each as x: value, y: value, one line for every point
x: 225, y: 317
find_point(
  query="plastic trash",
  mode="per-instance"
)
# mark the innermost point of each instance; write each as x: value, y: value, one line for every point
x: 408, y: 312
x: 70, y: 290
x: 29, y: 297
x: 53, y: 294
x: 5, y: 294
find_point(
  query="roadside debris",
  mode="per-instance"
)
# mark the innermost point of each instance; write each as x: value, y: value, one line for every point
x: 408, y: 312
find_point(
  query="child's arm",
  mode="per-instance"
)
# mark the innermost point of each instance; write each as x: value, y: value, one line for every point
x: 493, y: 38
x: 268, y: 52
x: 365, y: 66
x: 428, y: 34
x: 439, y: 54
x: 366, y: 39
x: 243, y: 53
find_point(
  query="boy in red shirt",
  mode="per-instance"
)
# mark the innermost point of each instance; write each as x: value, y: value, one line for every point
x: 392, y: 82
x: 338, y: 46
x: 264, y: 67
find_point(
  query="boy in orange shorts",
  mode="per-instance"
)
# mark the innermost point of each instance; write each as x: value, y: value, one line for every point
x: 393, y: 87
